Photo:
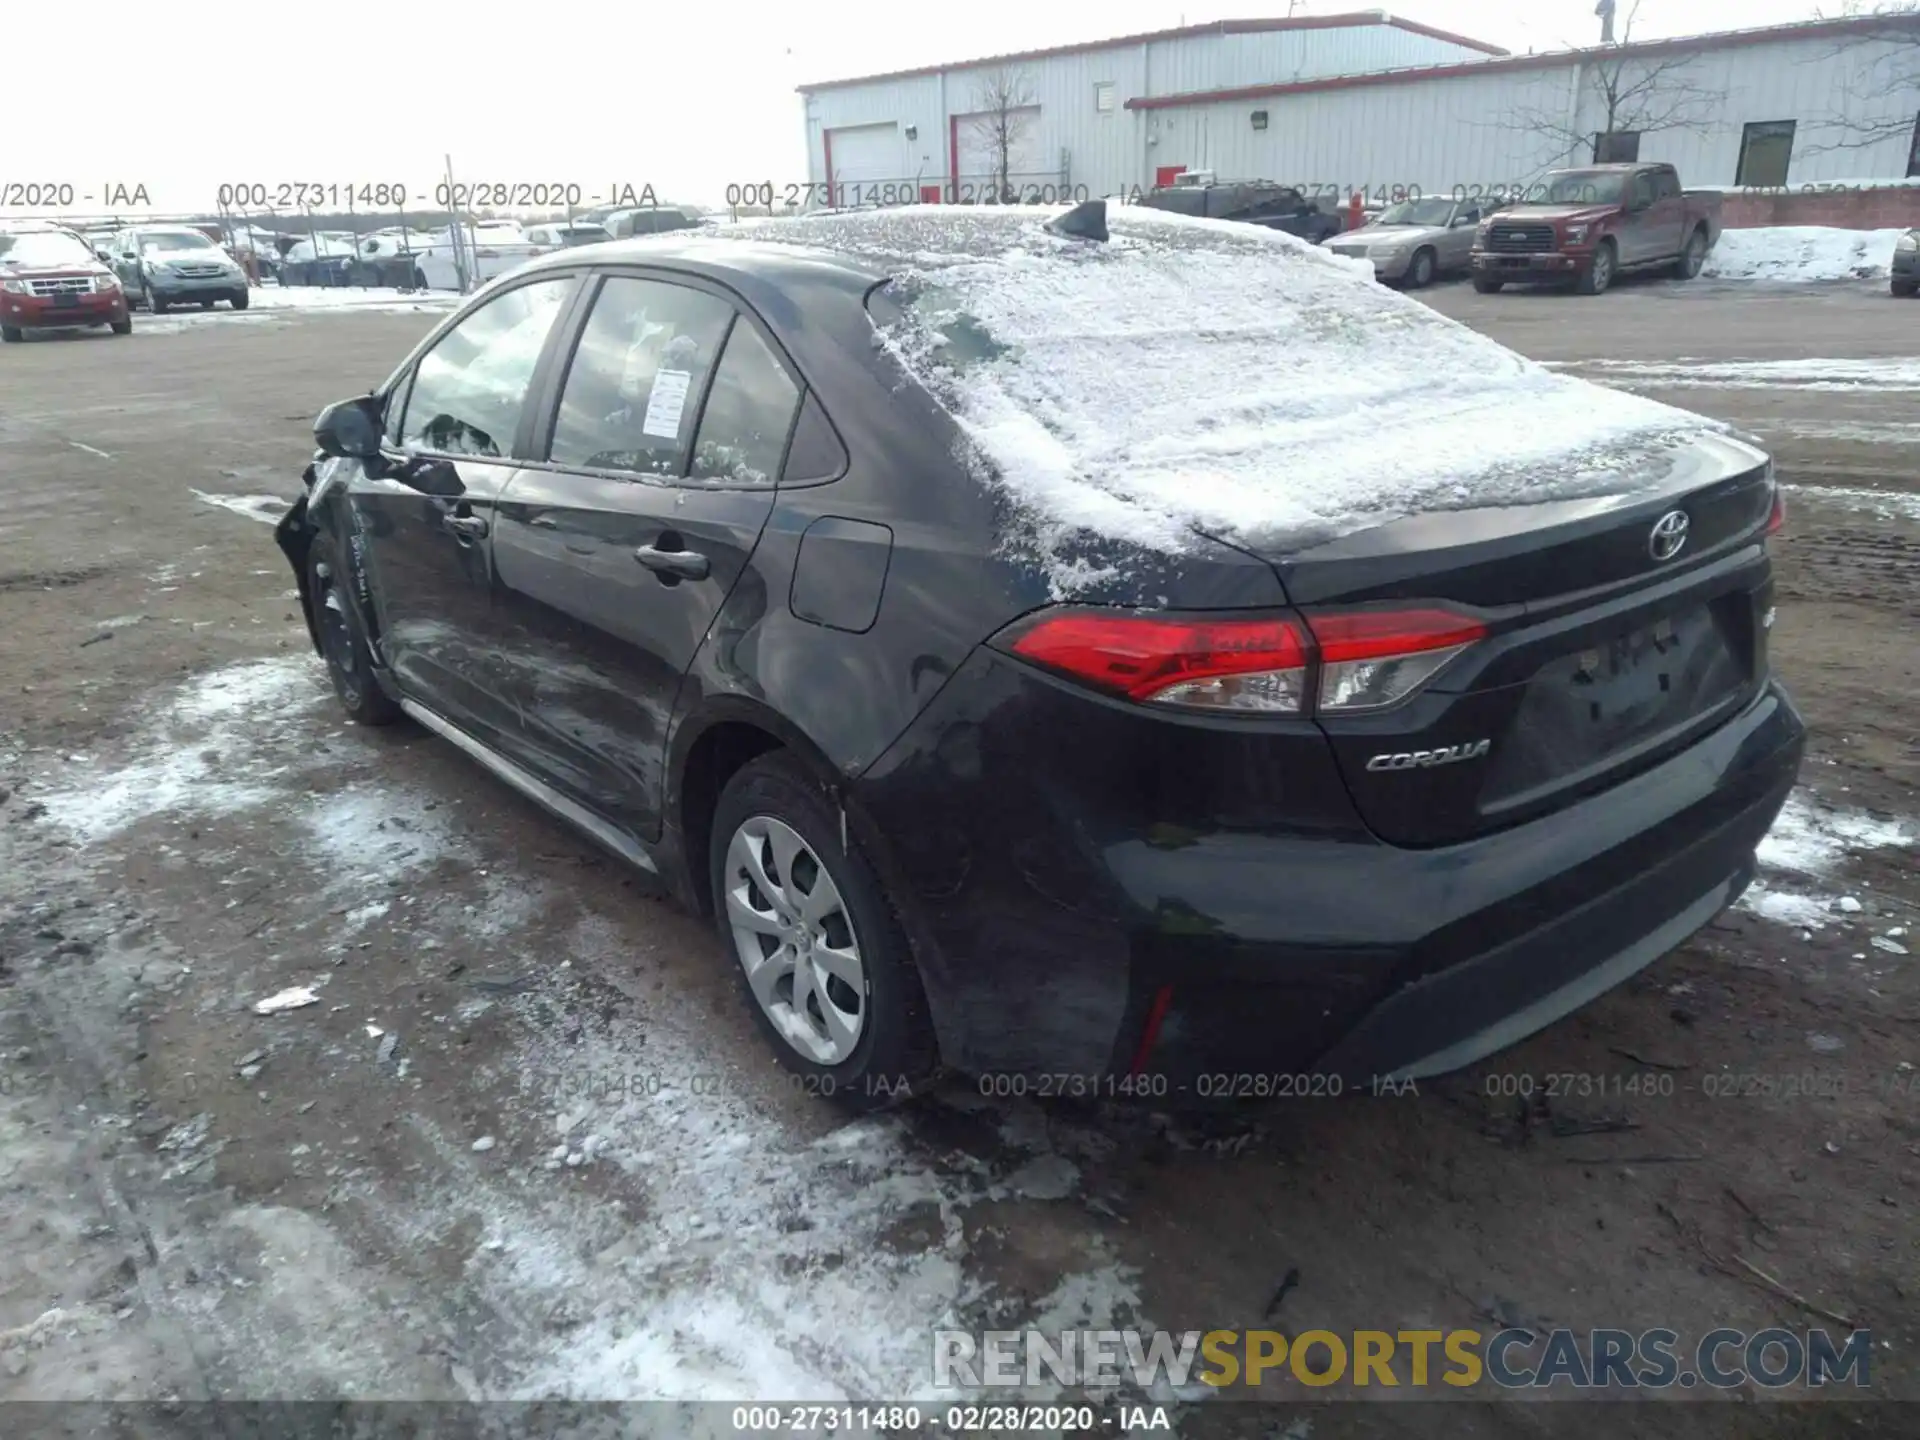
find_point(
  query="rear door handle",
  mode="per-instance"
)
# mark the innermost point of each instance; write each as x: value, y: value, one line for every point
x: 688, y: 564
x: 473, y: 525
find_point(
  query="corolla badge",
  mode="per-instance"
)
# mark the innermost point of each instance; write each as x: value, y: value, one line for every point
x: 1669, y: 535
x: 1427, y: 759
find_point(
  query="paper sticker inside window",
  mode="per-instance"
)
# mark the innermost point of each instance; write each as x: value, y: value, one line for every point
x: 668, y: 400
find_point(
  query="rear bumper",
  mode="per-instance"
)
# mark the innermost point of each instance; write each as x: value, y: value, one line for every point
x: 31, y: 312
x: 1058, y: 936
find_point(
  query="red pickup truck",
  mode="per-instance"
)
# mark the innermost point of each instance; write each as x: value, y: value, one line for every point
x: 1590, y: 224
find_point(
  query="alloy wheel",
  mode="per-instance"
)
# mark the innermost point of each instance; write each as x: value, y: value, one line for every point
x: 795, y: 940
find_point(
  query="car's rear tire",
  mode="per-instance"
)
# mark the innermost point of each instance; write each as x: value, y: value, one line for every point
x: 1486, y: 285
x: 1597, y: 274
x: 1420, y: 270
x: 238, y: 299
x: 1693, y: 257
x: 121, y: 327
x: 12, y: 334
x: 342, y: 645
x: 1905, y: 287
x: 789, y: 889
x: 205, y: 304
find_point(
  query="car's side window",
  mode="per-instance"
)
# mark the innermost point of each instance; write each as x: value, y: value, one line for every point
x: 469, y: 391
x: 633, y: 390
x: 1643, y: 189
x: 743, y: 430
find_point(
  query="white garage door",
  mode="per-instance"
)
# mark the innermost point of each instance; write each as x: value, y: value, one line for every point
x: 865, y: 155
x: 979, y: 147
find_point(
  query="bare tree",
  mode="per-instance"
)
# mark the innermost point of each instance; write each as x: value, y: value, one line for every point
x: 1003, y: 112
x: 1875, y: 98
x: 1642, y: 94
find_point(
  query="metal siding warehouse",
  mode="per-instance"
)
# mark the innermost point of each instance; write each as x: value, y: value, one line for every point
x: 1368, y: 99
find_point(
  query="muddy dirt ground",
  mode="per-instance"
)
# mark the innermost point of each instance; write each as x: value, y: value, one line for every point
x: 524, y: 1142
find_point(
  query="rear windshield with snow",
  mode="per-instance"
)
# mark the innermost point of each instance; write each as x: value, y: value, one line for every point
x: 1190, y: 374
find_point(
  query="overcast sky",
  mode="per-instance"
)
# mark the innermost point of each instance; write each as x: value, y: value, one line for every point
x: 687, y: 98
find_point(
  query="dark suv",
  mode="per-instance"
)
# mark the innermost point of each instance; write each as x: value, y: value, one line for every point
x: 1251, y: 202
x: 754, y: 559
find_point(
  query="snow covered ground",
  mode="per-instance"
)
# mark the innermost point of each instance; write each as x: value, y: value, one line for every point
x: 343, y: 297
x: 1887, y: 373
x: 1807, y: 845
x: 1797, y: 254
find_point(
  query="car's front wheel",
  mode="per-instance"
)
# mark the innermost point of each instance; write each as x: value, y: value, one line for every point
x: 349, y: 661
x: 822, y: 957
x: 156, y: 302
x: 238, y: 299
x: 1905, y: 287
x: 1487, y: 285
x: 12, y: 334
x: 1598, y: 274
x: 121, y: 327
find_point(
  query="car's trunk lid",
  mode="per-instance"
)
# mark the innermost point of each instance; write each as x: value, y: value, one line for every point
x: 1599, y: 659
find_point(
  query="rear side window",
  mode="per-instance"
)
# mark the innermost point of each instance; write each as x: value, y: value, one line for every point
x: 743, y: 431
x: 633, y: 389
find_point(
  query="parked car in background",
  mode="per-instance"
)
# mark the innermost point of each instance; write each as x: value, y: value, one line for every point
x: 486, y: 249
x: 561, y: 235
x: 1906, y: 263
x: 660, y: 534
x: 50, y: 279
x: 165, y: 265
x: 391, y: 257
x: 1253, y: 202
x: 650, y: 220
x: 1589, y: 224
x: 324, y: 259
x: 1415, y: 241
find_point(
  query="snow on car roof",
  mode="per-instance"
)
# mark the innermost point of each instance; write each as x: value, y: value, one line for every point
x: 1197, y: 374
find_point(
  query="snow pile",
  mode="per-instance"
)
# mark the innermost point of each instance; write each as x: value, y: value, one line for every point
x: 1197, y: 374
x: 1891, y: 373
x: 1809, y: 842
x: 1800, y: 253
x: 1882, y: 504
x: 335, y: 297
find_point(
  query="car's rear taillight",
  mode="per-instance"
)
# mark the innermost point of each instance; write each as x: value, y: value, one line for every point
x: 1777, y: 517
x: 1194, y: 662
x: 1335, y: 663
x: 1371, y: 659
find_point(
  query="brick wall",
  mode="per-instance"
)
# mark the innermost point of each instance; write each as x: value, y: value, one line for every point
x: 1889, y: 208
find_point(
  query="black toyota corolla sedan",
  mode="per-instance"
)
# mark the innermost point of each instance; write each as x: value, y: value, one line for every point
x: 1117, y: 647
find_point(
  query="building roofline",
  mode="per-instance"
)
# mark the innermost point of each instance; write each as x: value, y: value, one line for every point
x: 1349, y: 20
x: 1545, y: 60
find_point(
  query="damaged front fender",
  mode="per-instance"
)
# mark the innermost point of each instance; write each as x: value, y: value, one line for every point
x: 294, y: 536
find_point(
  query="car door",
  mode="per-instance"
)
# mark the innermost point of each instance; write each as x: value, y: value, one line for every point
x: 615, y: 553
x: 460, y: 414
x: 126, y: 261
x: 1637, y: 240
x: 1666, y: 228
x: 1456, y: 243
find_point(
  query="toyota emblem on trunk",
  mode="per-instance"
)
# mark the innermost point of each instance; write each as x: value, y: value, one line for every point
x: 1669, y: 535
